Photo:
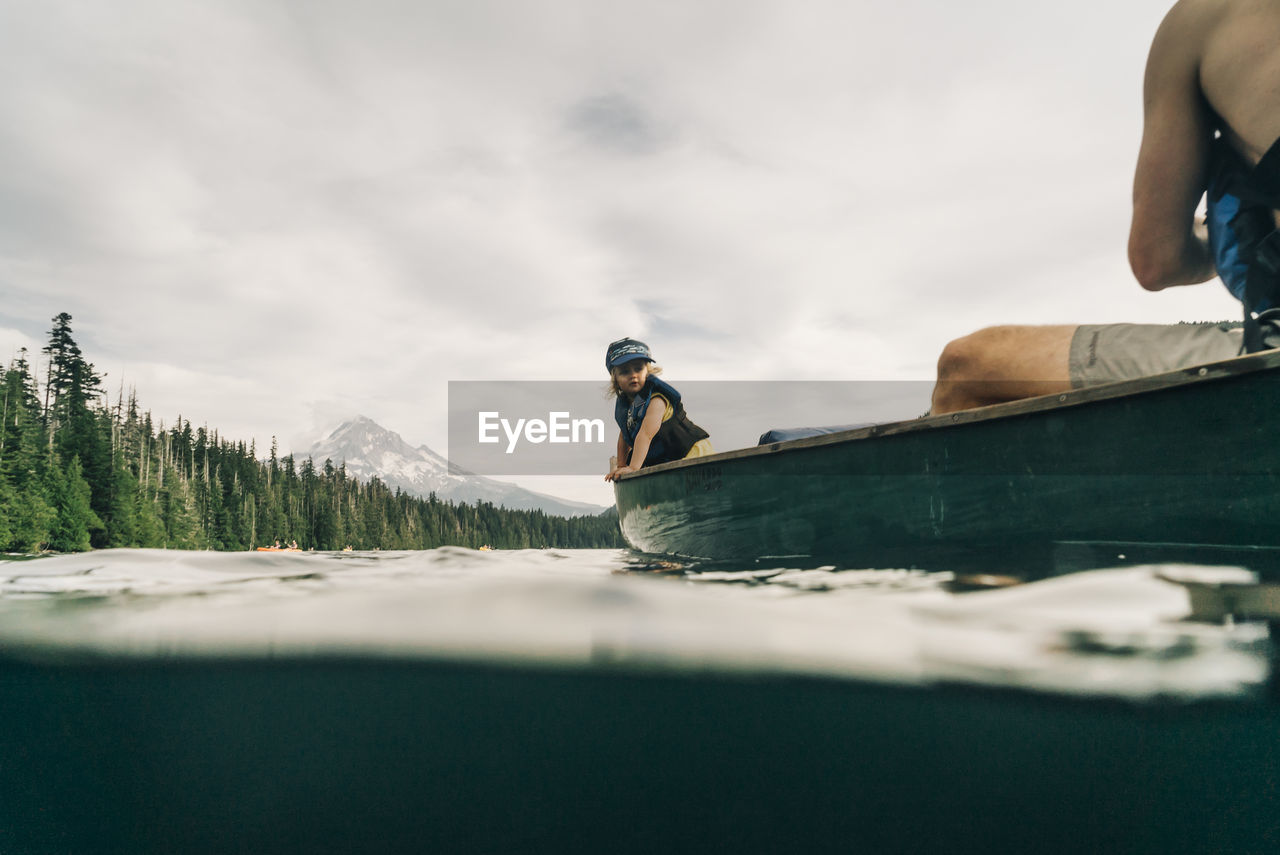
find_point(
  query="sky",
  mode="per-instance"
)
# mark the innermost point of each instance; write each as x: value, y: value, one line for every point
x: 270, y: 216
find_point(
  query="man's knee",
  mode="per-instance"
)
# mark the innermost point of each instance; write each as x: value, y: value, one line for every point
x: 972, y: 356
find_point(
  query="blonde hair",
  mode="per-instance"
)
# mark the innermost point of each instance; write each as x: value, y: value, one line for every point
x: 614, y: 390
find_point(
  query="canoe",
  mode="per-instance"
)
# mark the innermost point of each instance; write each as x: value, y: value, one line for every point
x: 278, y: 549
x: 1187, y: 457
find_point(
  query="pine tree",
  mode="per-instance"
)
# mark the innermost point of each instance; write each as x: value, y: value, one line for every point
x: 75, y: 518
x: 149, y: 532
x: 121, y: 519
x: 183, y: 519
x: 8, y: 515
x: 63, y: 352
x: 77, y: 431
x: 28, y: 515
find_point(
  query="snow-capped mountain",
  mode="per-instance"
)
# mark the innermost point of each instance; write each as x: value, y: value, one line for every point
x: 369, y: 449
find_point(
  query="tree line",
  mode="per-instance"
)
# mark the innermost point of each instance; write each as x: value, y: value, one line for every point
x: 77, y: 472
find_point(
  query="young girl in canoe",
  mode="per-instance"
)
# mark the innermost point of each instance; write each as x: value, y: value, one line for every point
x: 652, y: 425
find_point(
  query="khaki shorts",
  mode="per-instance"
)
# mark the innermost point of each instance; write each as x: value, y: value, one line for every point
x: 1109, y: 352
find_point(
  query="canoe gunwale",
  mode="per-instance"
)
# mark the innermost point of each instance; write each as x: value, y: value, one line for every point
x: 1206, y: 373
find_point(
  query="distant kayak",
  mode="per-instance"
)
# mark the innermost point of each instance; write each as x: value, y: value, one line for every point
x: 279, y: 549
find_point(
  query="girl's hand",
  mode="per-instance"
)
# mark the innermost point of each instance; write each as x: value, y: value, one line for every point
x: 618, y: 470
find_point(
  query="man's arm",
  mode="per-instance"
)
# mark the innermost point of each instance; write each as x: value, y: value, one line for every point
x: 1165, y: 246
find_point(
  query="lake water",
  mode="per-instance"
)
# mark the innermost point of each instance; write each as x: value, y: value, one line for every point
x: 604, y: 701
x: 1115, y: 632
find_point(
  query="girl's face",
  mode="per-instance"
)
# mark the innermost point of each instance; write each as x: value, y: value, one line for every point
x: 631, y: 376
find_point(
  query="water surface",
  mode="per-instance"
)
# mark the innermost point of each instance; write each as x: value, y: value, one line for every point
x: 1110, y: 631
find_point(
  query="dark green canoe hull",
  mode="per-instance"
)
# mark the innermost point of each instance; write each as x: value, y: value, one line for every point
x: 1188, y: 457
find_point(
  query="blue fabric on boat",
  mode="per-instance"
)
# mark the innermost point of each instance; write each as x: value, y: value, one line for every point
x: 784, y: 434
x: 1241, y: 202
x: 1232, y: 269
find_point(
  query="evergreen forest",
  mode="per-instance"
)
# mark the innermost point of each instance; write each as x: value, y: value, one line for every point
x: 78, y: 472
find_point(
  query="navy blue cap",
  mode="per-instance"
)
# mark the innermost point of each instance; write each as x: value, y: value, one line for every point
x: 625, y: 350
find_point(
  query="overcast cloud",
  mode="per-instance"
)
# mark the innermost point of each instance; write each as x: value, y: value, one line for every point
x: 270, y: 216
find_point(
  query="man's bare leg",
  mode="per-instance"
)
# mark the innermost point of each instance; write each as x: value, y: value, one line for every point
x: 1000, y: 364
